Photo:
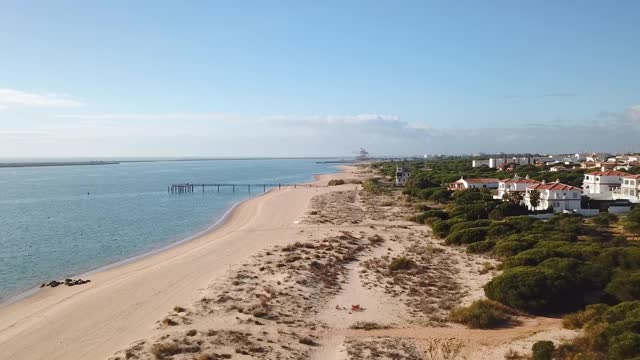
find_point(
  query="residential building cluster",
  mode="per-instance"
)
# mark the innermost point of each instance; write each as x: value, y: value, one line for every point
x: 562, y: 162
x: 607, y: 183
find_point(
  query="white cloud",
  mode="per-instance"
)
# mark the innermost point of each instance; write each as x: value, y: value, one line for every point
x: 331, y: 119
x: 633, y: 113
x: 149, y: 116
x: 12, y: 97
x: 199, y: 134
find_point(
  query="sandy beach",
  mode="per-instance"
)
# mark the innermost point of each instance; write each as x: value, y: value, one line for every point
x: 123, y: 304
x: 295, y: 273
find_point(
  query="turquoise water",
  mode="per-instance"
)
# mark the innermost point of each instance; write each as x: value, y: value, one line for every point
x: 50, y: 228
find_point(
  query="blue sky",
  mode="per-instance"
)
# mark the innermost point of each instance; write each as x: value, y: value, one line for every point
x: 299, y: 78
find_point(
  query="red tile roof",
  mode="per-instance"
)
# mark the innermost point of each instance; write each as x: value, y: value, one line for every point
x: 522, y: 181
x: 482, y: 180
x: 609, y: 173
x: 554, y: 186
x: 632, y: 177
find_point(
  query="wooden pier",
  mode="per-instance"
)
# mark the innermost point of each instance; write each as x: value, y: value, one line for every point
x: 189, y: 188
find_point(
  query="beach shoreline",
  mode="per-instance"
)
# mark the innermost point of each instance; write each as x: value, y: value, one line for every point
x: 28, y: 320
x: 216, y: 223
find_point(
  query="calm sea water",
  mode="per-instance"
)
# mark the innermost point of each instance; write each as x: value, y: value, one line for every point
x: 50, y: 228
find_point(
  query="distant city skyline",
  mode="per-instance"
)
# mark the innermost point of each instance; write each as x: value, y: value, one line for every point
x: 298, y: 79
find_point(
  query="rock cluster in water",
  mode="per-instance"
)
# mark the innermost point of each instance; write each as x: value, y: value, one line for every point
x: 68, y: 282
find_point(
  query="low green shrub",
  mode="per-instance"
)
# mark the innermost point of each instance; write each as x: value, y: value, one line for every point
x: 440, y: 228
x: 467, y: 236
x: 611, y: 332
x: 530, y: 257
x: 401, y: 263
x: 481, y: 314
x: 481, y: 247
x: 469, y: 224
x: 625, y: 286
x: 505, y: 249
x: 336, y: 182
x: 581, y: 318
x: 555, y: 286
x: 543, y: 350
x: 373, y: 186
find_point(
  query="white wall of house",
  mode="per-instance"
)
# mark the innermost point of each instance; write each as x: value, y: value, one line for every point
x: 629, y: 189
x: 600, y: 185
x: 619, y: 209
x: 559, y: 200
x: 478, y: 163
x: 473, y: 184
x: 587, y: 212
x: 516, y: 184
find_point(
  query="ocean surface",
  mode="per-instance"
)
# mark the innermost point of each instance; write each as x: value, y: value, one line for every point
x: 56, y: 222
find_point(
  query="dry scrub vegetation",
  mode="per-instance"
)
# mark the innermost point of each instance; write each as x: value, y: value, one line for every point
x: 337, y: 207
x: 423, y: 276
x: 217, y: 344
x: 270, y: 306
x: 382, y: 348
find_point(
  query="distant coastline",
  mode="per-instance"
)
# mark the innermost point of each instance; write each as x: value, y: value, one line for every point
x: 63, y: 163
x: 23, y: 164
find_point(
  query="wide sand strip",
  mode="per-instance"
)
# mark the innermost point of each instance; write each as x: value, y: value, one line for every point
x: 123, y: 304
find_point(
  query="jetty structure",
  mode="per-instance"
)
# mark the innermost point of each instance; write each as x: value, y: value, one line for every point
x: 189, y: 188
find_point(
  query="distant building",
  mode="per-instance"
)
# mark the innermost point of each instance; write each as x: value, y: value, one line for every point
x: 402, y: 175
x: 498, y: 162
x: 599, y: 185
x: 516, y: 184
x: 595, y: 157
x: 477, y: 183
x: 554, y: 195
x: 478, y: 163
x: 363, y: 155
x: 629, y: 189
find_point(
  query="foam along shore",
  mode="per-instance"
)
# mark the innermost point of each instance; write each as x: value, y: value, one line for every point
x: 123, y: 304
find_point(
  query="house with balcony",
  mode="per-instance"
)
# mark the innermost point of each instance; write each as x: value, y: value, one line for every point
x: 629, y: 189
x: 516, y: 185
x: 599, y: 185
x: 560, y: 197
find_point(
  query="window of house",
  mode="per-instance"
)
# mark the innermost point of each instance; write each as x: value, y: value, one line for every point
x: 597, y: 178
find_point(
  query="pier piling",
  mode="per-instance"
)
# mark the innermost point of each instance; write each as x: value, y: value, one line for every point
x: 190, y: 188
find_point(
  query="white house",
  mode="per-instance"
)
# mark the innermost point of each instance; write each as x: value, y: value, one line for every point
x: 486, y: 162
x: 556, y: 195
x: 402, y: 175
x: 629, y: 189
x: 515, y: 185
x: 477, y: 183
x: 599, y: 185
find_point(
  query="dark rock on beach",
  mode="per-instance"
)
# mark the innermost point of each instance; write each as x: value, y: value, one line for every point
x: 68, y: 282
